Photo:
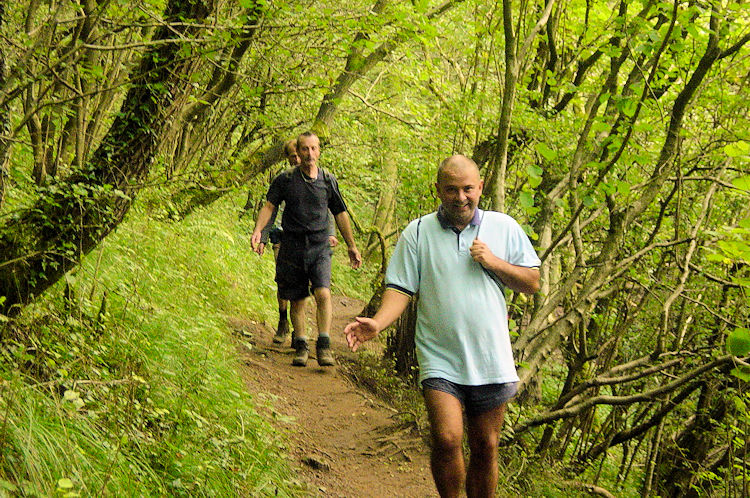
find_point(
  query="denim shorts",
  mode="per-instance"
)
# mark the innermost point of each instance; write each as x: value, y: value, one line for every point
x: 475, y: 399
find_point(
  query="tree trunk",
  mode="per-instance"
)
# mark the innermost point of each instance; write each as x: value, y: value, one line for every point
x: 383, y: 209
x: 400, y: 343
x: 45, y: 241
x: 4, y: 119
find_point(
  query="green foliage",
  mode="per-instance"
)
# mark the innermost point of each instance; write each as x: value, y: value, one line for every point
x: 376, y: 373
x: 138, y: 393
x: 738, y: 342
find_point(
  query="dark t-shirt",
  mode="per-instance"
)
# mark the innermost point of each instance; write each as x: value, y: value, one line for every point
x: 306, y: 201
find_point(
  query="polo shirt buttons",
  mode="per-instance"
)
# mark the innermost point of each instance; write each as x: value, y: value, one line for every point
x: 463, y: 246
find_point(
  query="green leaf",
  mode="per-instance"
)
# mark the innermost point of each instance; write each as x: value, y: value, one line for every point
x: 534, y: 171
x: 607, y: 188
x: 742, y: 182
x: 738, y: 342
x: 530, y: 231
x: 717, y: 258
x: 737, y: 149
x: 546, y: 152
x: 742, y: 373
x: 599, y: 126
x: 628, y: 107
x: 512, y: 327
x: 65, y: 483
x: 526, y: 199
x: 589, y: 201
x: 739, y: 404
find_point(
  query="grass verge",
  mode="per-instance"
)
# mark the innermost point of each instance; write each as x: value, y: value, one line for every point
x: 123, y: 380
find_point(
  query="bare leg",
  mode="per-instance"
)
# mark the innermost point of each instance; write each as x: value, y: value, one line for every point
x: 324, y: 309
x: 446, y: 430
x: 298, y: 318
x: 283, y: 306
x: 283, y: 303
x: 483, y: 433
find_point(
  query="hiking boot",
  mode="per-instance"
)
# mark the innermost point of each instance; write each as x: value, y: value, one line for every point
x: 323, y: 352
x: 281, y: 332
x: 301, y: 350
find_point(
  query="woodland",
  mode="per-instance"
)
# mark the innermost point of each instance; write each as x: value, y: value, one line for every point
x: 617, y: 133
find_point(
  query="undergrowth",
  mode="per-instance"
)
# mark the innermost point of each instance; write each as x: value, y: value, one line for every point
x: 122, y: 380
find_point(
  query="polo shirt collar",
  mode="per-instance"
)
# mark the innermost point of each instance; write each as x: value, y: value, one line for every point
x: 475, y: 220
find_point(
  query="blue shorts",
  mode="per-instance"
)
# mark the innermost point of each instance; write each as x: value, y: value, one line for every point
x: 475, y: 399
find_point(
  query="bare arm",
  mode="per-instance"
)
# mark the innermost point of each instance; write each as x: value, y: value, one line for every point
x: 342, y: 220
x: 517, y: 278
x: 266, y: 232
x: 332, y: 240
x: 264, y: 216
x: 363, y: 329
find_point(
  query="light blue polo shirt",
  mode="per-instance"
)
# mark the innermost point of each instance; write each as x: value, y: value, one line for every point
x: 462, y: 319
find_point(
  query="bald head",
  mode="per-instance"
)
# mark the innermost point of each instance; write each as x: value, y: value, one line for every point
x: 456, y: 164
x: 459, y: 188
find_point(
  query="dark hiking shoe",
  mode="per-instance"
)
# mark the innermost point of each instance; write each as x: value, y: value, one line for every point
x: 323, y: 352
x: 301, y: 350
x: 281, y: 332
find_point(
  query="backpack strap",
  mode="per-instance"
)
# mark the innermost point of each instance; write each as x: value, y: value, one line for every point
x: 419, y: 259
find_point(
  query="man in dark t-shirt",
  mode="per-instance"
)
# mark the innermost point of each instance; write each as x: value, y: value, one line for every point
x: 272, y: 233
x: 304, y: 259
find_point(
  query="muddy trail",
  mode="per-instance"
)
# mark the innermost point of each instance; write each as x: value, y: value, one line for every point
x: 343, y: 441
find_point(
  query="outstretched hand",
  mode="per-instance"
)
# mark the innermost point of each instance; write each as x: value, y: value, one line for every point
x: 359, y: 331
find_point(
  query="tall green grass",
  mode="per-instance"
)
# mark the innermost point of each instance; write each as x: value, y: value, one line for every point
x: 141, y: 396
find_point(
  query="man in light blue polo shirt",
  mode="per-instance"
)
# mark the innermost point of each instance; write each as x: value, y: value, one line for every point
x: 459, y: 259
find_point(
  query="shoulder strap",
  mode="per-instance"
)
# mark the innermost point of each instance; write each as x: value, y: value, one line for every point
x: 326, y: 176
x: 419, y: 258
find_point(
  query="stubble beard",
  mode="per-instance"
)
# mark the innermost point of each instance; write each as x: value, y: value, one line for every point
x: 458, y: 217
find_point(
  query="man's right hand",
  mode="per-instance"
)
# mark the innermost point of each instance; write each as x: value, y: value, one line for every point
x: 360, y: 331
x: 256, y: 244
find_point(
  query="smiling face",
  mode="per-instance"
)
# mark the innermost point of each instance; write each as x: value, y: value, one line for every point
x: 308, y: 148
x: 459, y: 189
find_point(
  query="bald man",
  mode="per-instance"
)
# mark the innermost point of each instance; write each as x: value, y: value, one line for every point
x: 459, y: 259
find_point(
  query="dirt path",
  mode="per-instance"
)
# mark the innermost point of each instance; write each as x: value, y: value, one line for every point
x: 345, y: 442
